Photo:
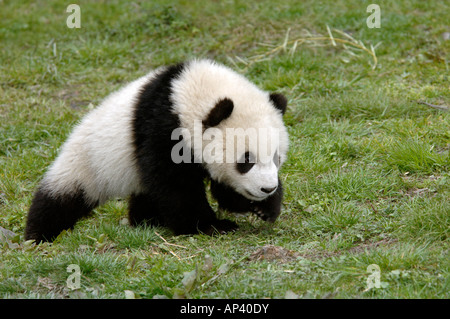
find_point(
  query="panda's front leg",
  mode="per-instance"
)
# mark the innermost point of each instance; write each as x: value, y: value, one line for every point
x: 270, y: 208
x: 267, y: 209
x: 186, y: 211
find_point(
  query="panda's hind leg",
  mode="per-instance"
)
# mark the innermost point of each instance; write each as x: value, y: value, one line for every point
x: 142, y: 209
x: 49, y: 215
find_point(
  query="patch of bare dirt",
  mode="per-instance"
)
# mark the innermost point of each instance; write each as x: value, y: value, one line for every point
x: 273, y: 253
x: 371, y: 245
x: 420, y: 192
x: 72, y: 97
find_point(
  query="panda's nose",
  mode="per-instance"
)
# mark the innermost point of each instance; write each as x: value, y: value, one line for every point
x: 268, y: 190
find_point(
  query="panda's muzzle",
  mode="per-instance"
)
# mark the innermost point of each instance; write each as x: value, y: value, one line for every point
x: 268, y: 190
x: 265, y: 193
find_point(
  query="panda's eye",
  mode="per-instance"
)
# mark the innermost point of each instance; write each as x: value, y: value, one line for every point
x: 245, y: 163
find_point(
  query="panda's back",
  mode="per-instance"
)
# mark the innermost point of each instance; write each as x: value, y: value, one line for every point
x: 98, y: 156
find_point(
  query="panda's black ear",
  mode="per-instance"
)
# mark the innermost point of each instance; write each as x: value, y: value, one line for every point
x: 219, y: 112
x: 279, y: 101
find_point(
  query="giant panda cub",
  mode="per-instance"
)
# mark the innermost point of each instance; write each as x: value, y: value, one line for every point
x: 156, y: 140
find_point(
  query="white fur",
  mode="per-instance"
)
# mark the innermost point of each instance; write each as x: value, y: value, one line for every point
x: 98, y: 155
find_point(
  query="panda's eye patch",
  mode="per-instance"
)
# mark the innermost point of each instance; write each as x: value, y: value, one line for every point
x: 245, y: 163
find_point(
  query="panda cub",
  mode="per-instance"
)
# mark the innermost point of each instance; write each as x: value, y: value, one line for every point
x: 156, y: 140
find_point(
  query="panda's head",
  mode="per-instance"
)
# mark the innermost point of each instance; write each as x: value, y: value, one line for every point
x: 244, y: 145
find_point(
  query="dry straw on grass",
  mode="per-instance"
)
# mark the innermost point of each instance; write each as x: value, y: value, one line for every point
x: 350, y: 45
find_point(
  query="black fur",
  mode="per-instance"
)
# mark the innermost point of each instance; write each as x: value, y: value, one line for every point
x: 245, y: 164
x: 49, y: 216
x: 221, y: 111
x: 231, y: 201
x: 279, y: 101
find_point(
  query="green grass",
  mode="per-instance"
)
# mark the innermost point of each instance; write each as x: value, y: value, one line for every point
x: 367, y: 180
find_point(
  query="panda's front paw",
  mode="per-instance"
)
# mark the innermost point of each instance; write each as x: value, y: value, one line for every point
x: 264, y: 215
x: 258, y: 212
x: 268, y: 214
x: 221, y: 227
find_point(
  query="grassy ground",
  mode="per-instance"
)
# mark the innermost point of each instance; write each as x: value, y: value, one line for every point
x: 367, y: 180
